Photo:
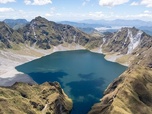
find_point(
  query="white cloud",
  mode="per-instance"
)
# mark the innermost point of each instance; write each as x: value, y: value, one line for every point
x: 85, y: 2
x: 147, y: 11
x: 37, y: 2
x: 140, y: 16
x: 48, y: 15
x: 27, y: 2
x: 96, y: 14
x: 134, y: 4
x: 6, y: 1
x: 112, y: 2
x: 148, y: 3
x: 52, y: 9
x: 6, y: 10
x: 52, y: 13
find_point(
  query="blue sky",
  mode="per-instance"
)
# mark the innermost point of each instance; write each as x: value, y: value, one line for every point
x: 75, y: 10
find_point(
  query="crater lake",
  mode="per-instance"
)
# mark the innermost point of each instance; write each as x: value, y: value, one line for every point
x: 82, y: 74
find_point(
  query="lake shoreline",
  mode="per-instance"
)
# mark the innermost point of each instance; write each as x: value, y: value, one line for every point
x: 10, y: 60
x: 80, y: 73
x: 110, y: 57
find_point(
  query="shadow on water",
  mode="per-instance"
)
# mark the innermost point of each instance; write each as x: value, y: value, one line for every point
x: 41, y: 77
x: 83, y: 75
x: 86, y: 93
x: 86, y: 76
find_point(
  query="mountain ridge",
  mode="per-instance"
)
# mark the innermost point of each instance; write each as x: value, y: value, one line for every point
x: 111, y: 25
x: 16, y: 23
x: 44, y: 34
x: 120, y: 22
x: 50, y: 33
x: 128, y: 45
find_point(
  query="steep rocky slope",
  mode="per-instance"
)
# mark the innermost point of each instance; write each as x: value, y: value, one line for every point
x: 127, y: 45
x: 127, y: 41
x: 9, y: 37
x: 41, y: 33
x: 44, y: 34
x: 22, y: 98
x: 131, y: 92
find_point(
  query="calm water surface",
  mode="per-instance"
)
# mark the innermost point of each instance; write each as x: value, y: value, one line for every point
x: 82, y: 74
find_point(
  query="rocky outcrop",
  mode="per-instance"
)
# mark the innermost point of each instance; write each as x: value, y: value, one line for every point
x: 127, y: 41
x: 23, y: 98
x: 44, y: 34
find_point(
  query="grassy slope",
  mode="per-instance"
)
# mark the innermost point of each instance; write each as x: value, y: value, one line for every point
x: 23, y: 98
x: 129, y: 94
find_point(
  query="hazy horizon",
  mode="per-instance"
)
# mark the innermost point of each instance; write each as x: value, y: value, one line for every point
x: 79, y: 20
x: 67, y: 10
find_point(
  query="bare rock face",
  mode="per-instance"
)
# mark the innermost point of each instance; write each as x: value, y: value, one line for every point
x: 44, y: 34
x: 41, y: 33
x: 126, y: 41
x: 9, y: 36
x: 23, y: 98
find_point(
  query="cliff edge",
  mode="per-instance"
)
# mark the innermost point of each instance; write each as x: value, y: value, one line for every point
x: 23, y: 98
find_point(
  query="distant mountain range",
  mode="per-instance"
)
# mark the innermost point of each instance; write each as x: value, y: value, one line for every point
x: 16, y: 23
x: 147, y: 29
x: 83, y: 24
x: 119, y: 22
x: 90, y: 26
x: 85, y: 27
x: 110, y: 25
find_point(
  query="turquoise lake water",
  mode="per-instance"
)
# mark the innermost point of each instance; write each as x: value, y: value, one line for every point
x: 82, y: 74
